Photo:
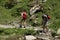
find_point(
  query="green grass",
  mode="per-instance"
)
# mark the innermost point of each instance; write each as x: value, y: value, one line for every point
x: 17, y: 31
x: 5, y: 14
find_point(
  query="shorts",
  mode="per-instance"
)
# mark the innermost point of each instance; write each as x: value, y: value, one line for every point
x: 23, y: 19
x: 45, y: 23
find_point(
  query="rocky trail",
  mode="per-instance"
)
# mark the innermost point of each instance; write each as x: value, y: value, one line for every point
x: 40, y: 36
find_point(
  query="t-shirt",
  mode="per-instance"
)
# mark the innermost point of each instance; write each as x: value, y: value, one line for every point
x: 24, y: 15
x: 44, y: 17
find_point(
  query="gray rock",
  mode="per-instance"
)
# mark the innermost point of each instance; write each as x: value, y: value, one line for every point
x: 44, y: 0
x: 30, y: 37
x: 34, y: 9
x: 57, y: 37
x: 58, y: 31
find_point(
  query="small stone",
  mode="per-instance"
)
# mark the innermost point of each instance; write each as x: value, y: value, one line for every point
x: 30, y: 37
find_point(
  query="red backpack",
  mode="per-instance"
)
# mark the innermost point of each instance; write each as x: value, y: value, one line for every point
x: 24, y: 15
x: 49, y: 17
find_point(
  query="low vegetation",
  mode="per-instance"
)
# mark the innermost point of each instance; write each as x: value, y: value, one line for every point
x: 16, y: 31
x: 8, y: 14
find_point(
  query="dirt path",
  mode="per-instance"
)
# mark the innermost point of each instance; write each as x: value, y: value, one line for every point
x: 6, y: 26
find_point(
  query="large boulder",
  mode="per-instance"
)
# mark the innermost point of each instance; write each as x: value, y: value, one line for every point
x: 34, y: 9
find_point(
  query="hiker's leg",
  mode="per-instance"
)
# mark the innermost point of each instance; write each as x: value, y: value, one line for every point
x: 44, y: 26
x: 24, y: 23
x: 21, y: 22
x: 46, y: 29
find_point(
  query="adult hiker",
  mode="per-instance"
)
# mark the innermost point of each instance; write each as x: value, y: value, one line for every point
x: 24, y: 17
x: 45, y: 19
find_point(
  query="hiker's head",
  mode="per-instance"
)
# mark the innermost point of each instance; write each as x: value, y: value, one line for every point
x: 24, y: 10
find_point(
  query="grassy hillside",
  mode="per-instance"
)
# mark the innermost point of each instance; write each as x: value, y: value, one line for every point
x: 7, y: 15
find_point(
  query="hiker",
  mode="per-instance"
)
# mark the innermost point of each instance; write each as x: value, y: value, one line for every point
x: 24, y: 17
x: 45, y: 19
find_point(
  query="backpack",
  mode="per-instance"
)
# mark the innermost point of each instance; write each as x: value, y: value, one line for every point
x: 24, y: 15
x: 48, y: 17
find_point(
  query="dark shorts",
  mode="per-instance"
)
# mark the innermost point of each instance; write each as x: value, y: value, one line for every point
x: 23, y: 19
x: 44, y: 23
